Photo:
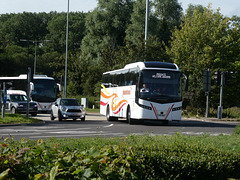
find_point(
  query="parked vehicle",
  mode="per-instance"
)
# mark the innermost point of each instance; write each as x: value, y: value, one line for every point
x: 67, y: 108
x: 43, y: 89
x: 17, y: 103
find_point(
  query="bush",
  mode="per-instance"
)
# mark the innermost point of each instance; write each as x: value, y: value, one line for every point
x: 233, y: 112
x: 91, y: 101
x: 237, y: 129
x: 133, y: 157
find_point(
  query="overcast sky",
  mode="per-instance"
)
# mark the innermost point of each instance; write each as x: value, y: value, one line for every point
x: 227, y: 7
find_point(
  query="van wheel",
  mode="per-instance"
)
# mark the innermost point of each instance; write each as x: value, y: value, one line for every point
x: 13, y: 110
x: 34, y: 114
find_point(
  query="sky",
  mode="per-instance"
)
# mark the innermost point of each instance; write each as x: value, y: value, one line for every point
x: 227, y: 7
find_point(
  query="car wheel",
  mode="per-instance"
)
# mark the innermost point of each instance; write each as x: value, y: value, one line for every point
x: 34, y: 114
x: 51, y: 116
x: 83, y: 119
x: 60, y: 116
x: 13, y: 110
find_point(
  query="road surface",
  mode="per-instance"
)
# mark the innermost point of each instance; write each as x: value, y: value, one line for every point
x: 97, y: 125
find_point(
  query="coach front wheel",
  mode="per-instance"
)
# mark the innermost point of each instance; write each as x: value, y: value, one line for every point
x: 129, y: 119
x: 110, y: 118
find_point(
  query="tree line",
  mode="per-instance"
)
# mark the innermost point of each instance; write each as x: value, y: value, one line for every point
x: 112, y: 35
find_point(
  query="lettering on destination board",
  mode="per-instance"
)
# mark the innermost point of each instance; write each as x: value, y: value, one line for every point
x: 161, y: 76
x: 126, y: 92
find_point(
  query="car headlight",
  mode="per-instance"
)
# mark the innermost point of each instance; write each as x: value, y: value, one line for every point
x: 35, y: 105
x: 63, y: 108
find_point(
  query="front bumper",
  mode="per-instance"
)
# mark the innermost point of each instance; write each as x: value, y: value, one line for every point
x: 67, y: 115
x: 22, y: 110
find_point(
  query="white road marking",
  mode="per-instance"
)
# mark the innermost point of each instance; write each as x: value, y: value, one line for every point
x: 108, y: 126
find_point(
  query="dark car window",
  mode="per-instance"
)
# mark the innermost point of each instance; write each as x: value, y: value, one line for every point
x: 69, y: 102
x: 18, y: 97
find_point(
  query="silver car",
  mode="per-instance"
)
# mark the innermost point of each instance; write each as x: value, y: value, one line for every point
x: 67, y: 108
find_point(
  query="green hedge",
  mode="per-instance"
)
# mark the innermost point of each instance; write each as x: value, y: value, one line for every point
x: 128, y: 159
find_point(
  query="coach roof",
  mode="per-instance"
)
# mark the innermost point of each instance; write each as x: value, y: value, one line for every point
x: 152, y: 64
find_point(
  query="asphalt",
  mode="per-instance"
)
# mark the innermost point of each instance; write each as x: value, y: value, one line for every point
x: 204, y: 119
x: 210, y: 119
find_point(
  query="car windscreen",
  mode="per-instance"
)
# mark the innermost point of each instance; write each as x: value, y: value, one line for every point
x: 18, y: 97
x: 69, y: 102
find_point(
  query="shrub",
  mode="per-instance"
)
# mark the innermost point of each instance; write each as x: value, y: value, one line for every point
x: 132, y: 157
x: 233, y: 112
x: 237, y: 129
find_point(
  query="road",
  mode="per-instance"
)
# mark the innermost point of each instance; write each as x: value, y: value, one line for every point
x: 97, y: 125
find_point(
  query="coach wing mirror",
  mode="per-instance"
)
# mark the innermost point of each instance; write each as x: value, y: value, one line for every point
x: 185, y: 82
x: 137, y: 93
x: 59, y: 88
x: 31, y: 87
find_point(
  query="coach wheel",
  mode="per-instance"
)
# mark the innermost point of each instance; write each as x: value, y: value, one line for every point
x: 110, y: 118
x: 129, y: 119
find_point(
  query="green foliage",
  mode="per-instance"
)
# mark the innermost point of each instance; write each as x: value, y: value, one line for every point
x: 17, y: 119
x: 105, y: 28
x: 132, y: 157
x: 92, y: 100
x: 237, y: 130
x: 233, y: 112
x: 112, y: 35
x: 206, y: 40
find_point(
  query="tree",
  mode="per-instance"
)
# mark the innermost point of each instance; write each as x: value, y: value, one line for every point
x: 164, y: 15
x: 136, y: 28
x: 168, y: 13
x: 31, y: 26
x: 28, y: 26
x: 203, y: 42
x: 57, y: 31
x: 105, y: 27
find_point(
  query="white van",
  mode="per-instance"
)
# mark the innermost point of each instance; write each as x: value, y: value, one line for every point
x: 17, y: 103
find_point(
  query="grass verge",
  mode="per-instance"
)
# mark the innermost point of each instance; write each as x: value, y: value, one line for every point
x: 131, y: 157
x: 17, y: 119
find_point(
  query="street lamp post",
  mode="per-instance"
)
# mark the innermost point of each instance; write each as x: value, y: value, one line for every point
x: 35, y: 54
x: 65, y: 78
x: 146, y: 21
x: 146, y: 27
